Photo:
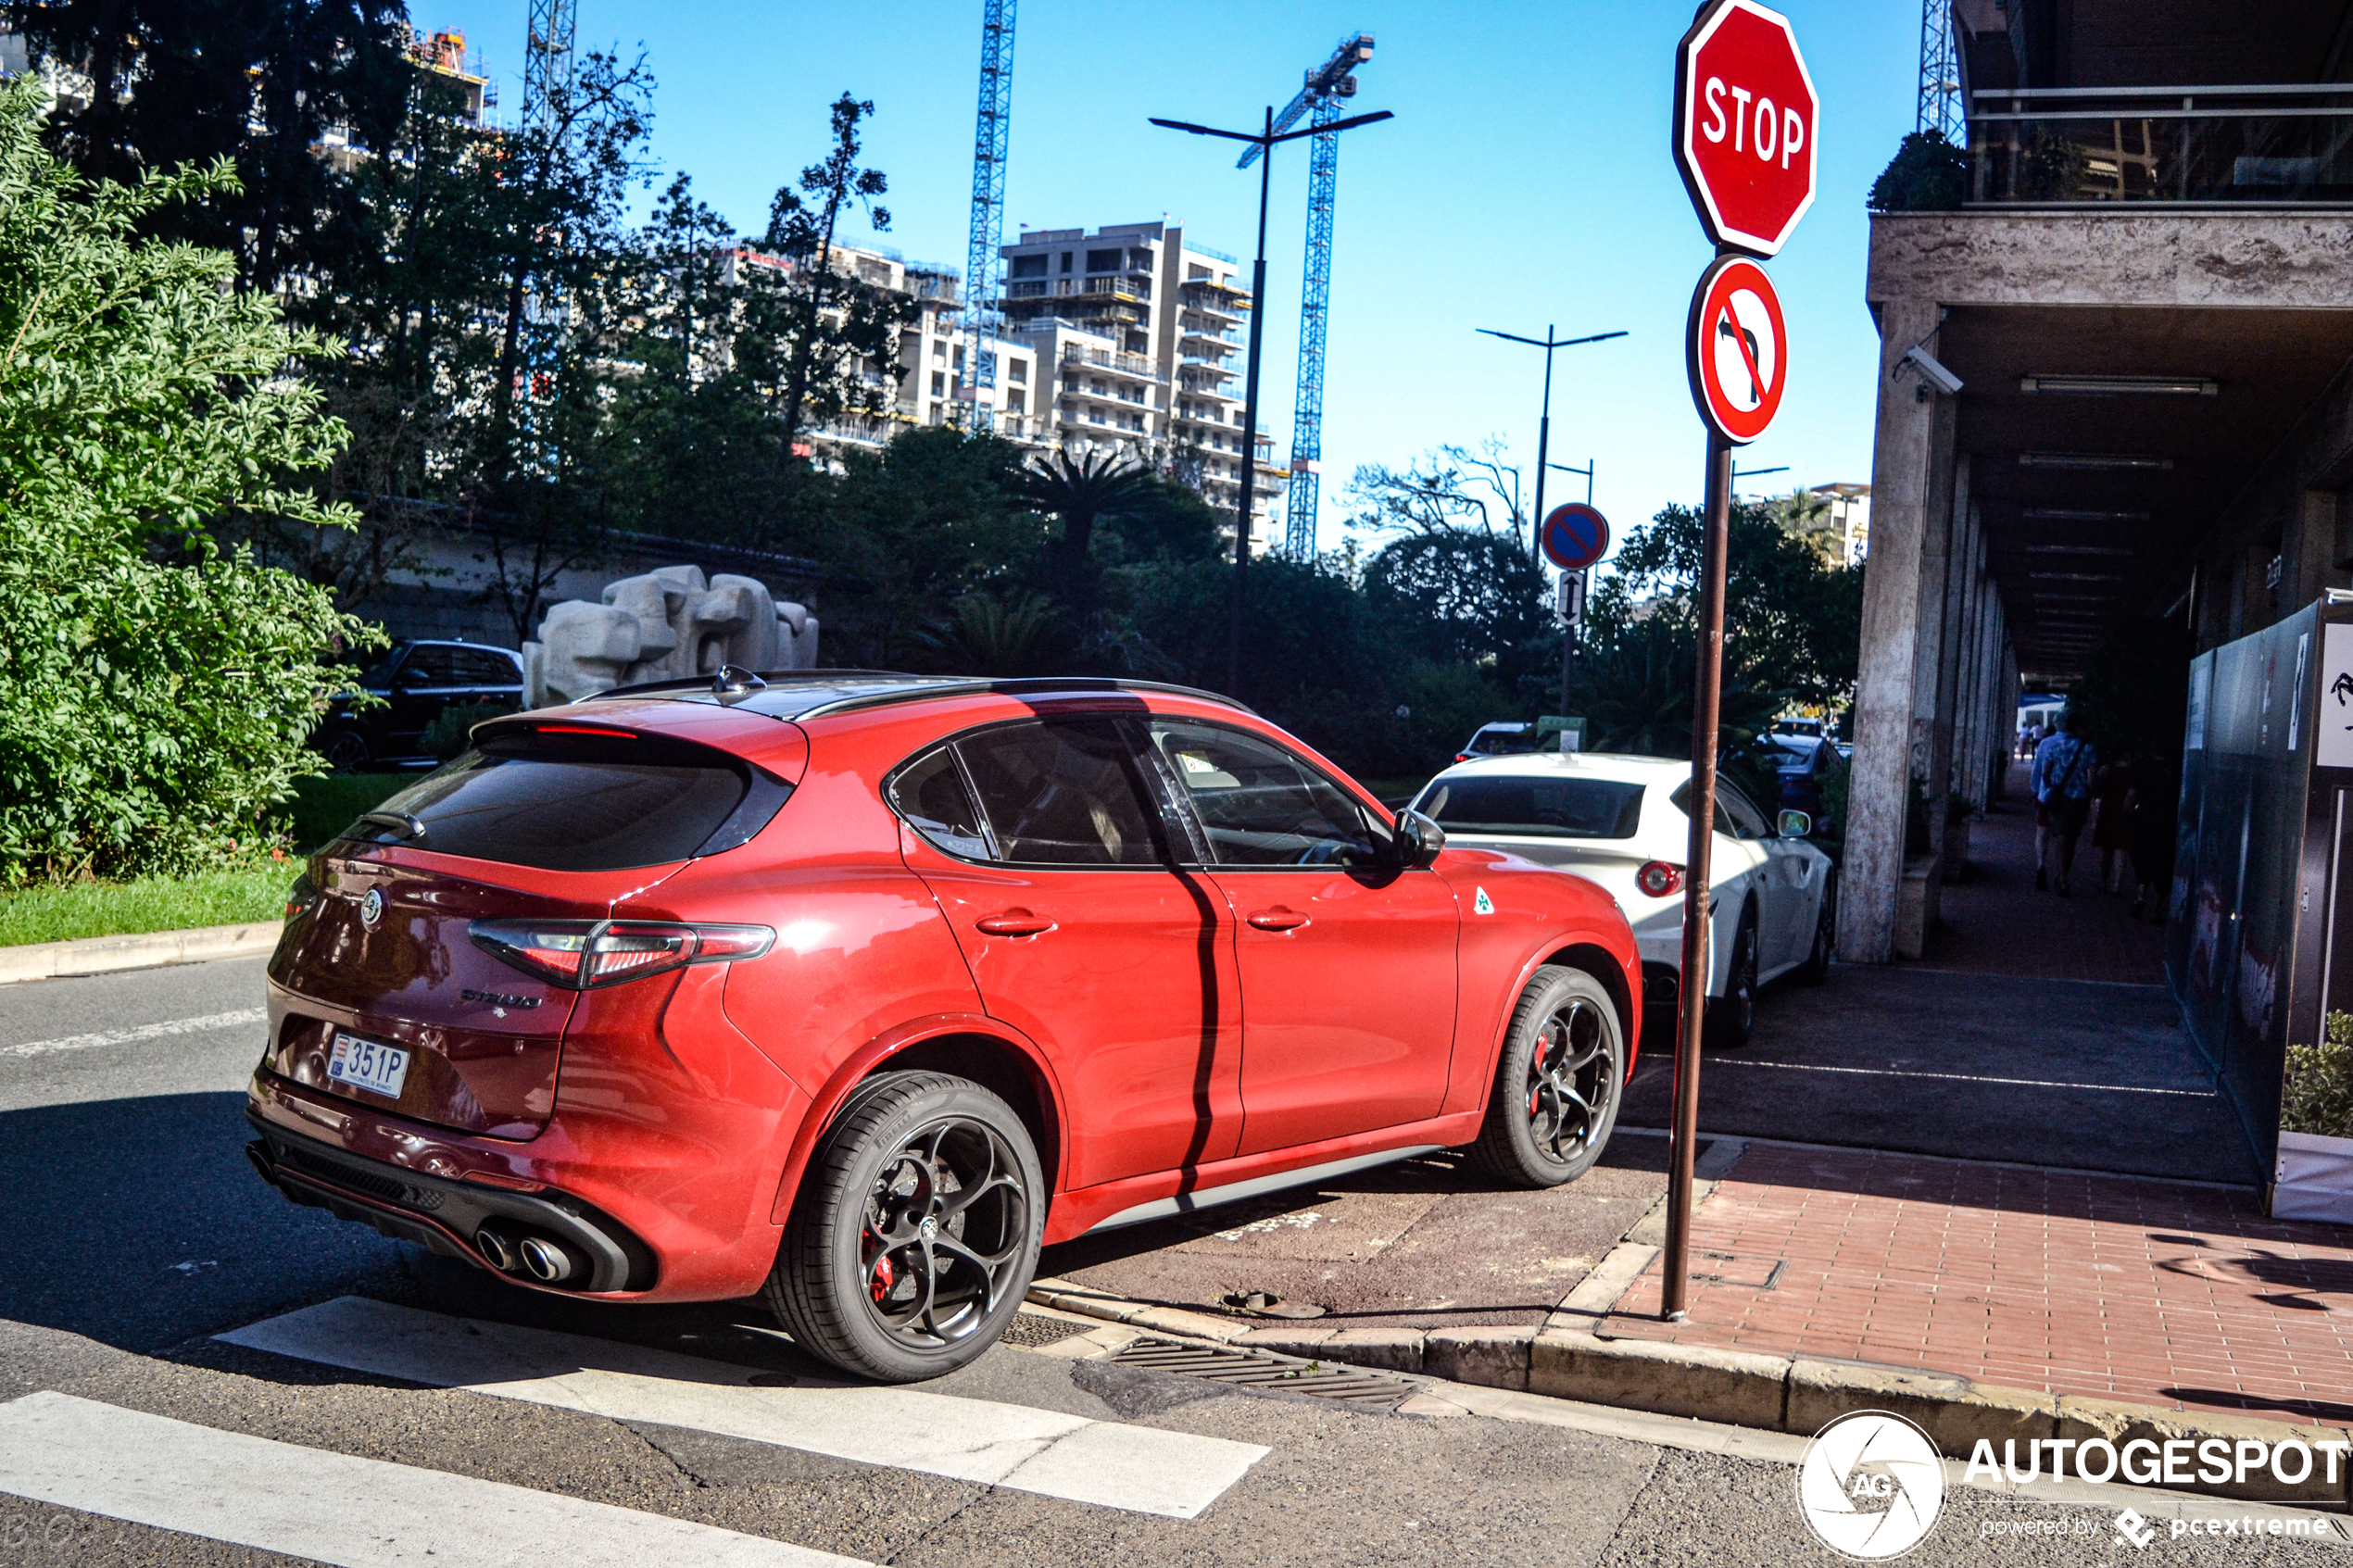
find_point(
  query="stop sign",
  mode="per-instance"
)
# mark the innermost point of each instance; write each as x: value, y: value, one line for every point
x: 1745, y: 125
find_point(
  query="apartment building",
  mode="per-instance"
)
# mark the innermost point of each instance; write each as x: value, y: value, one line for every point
x: 2141, y: 312
x: 1138, y: 339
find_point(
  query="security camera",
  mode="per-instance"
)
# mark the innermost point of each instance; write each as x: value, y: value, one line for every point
x: 1932, y: 373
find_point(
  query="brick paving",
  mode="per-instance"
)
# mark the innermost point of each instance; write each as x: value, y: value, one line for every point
x: 2112, y: 1287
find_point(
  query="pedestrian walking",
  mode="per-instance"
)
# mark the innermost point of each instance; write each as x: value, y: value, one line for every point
x: 2062, y: 787
x: 2112, y: 789
x: 2150, y: 818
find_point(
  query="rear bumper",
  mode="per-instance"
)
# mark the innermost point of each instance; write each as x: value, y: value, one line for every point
x: 446, y: 1215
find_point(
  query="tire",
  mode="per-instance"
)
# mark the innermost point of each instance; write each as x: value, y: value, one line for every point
x: 860, y: 1282
x: 1733, y: 1016
x: 1557, y: 1082
x: 347, y: 751
x: 1817, y: 967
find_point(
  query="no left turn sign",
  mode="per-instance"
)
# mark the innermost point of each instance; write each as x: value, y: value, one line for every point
x: 1738, y: 351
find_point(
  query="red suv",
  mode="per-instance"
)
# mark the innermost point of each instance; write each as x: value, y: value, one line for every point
x: 857, y: 989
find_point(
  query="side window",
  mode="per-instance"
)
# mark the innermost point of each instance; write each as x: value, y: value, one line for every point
x: 1260, y: 806
x: 1066, y: 793
x: 481, y: 667
x: 930, y: 793
x: 1746, y: 819
x: 430, y: 665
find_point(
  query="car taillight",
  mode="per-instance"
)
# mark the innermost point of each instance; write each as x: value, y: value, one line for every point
x: 1659, y: 880
x: 581, y: 955
x: 1464, y: 755
x: 300, y: 897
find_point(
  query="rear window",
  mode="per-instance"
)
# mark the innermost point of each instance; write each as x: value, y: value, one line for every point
x: 1503, y: 743
x: 579, y: 803
x: 1535, y: 807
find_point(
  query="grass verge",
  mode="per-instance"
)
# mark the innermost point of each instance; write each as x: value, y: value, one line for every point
x: 64, y: 912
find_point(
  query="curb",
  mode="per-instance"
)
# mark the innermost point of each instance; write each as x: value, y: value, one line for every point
x: 101, y: 955
x: 1565, y: 1359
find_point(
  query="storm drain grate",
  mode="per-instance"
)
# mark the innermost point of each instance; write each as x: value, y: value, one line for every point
x: 1243, y: 1369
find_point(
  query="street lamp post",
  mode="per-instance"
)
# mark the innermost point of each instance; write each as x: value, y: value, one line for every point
x: 1264, y: 140
x: 1544, y: 422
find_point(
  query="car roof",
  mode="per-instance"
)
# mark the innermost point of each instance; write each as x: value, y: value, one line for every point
x: 1617, y: 766
x: 1509, y: 726
x: 809, y: 694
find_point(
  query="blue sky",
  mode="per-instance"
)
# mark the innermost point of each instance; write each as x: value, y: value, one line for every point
x: 1526, y: 179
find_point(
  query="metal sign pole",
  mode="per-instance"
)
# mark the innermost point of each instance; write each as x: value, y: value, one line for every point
x: 1706, y: 697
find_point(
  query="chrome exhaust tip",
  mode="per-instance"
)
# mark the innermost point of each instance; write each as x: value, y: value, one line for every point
x: 550, y: 1262
x: 499, y: 1248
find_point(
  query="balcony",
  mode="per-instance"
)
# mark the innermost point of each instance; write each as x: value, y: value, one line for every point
x: 1110, y: 360
x: 2090, y: 146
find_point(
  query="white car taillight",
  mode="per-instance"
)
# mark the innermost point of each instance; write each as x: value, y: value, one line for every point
x: 1659, y: 880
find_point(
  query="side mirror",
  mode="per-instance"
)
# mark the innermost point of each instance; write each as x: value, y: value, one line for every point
x: 1421, y: 838
x: 1795, y: 824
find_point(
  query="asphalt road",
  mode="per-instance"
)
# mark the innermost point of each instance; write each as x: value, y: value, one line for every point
x: 133, y: 1233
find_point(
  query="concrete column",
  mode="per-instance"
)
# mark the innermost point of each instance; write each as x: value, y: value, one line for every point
x: 1952, y: 654
x: 1887, y: 677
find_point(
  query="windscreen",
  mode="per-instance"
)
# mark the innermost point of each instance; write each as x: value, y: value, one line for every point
x: 1534, y: 808
x: 577, y: 803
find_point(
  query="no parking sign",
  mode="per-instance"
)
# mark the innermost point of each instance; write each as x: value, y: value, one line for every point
x: 1574, y: 536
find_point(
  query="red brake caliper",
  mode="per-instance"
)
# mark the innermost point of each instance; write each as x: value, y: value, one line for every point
x: 884, y: 1277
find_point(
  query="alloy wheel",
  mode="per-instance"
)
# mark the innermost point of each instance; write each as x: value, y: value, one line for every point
x: 1570, y: 1074
x: 946, y: 1222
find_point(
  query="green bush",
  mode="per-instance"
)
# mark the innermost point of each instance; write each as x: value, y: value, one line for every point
x: 2318, y: 1094
x: 159, y: 686
x: 1928, y: 174
x: 253, y: 890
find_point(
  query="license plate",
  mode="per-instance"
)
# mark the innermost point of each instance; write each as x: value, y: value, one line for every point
x: 365, y: 1065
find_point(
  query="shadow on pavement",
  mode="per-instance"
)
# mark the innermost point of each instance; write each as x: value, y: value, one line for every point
x: 2056, y: 1073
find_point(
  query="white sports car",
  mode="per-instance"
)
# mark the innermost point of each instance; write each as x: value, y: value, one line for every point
x: 1620, y: 821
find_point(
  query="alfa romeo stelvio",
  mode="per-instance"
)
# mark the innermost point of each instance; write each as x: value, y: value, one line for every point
x: 855, y: 989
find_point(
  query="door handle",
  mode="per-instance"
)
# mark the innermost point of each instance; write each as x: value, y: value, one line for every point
x: 1014, y: 922
x: 1278, y: 918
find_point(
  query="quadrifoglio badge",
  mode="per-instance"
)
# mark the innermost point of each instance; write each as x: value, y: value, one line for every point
x: 1870, y: 1486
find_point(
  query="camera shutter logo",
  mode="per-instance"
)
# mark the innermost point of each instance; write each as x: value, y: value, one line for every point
x: 372, y: 908
x: 1870, y: 1486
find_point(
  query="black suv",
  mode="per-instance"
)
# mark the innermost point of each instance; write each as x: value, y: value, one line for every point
x: 417, y: 681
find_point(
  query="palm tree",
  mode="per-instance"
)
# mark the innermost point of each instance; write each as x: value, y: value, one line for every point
x: 1079, y: 490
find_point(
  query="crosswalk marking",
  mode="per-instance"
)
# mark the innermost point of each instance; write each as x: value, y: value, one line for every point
x: 1141, y: 1469
x: 137, y: 1033
x: 336, y: 1509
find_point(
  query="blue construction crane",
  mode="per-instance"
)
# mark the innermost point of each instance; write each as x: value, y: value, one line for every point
x: 1326, y: 86
x: 546, y: 81
x: 547, y: 61
x: 984, y: 284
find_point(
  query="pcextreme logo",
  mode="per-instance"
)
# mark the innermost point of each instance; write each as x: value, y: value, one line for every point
x: 1870, y: 1486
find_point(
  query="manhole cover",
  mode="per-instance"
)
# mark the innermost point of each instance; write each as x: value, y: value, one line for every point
x: 1246, y: 1369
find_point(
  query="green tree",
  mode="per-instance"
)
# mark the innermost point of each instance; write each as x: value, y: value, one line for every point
x: 258, y: 81
x: 159, y: 684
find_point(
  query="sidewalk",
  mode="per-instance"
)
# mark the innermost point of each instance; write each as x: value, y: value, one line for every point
x: 2116, y: 1288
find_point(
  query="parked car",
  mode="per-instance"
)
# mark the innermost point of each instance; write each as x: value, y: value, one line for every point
x: 1619, y: 821
x: 1798, y: 726
x: 862, y: 986
x: 418, y: 682
x: 1803, y: 763
x: 1504, y: 739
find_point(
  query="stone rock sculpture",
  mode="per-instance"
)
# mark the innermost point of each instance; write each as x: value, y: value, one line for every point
x: 667, y: 624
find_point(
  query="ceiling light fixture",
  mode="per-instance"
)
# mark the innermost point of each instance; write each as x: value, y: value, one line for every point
x: 2078, y: 550
x: 2077, y: 576
x: 2080, y: 514
x: 2096, y: 462
x: 2120, y: 386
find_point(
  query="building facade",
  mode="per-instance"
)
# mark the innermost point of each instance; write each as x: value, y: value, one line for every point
x: 2115, y: 384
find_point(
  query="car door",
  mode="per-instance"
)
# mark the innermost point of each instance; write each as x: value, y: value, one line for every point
x: 1048, y: 843
x: 1347, y: 962
x: 420, y: 688
x: 1778, y: 877
x: 487, y: 675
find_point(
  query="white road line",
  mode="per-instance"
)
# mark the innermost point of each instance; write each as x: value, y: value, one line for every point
x: 1965, y: 1078
x: 1141, y: 1469
x: 204, y: 1024
x: 336, y: 1509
